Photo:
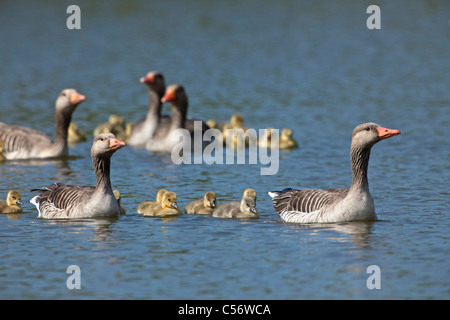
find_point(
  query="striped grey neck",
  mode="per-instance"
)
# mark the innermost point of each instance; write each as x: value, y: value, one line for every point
x: 360, y: 163
x: 102, y: 167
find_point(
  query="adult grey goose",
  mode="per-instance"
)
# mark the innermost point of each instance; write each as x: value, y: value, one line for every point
x: 143, y: 130
x: 335, y: 205
x: 61, y: 201
x: 154, y: 123
x: 25, y: 143
x: 162, y: 139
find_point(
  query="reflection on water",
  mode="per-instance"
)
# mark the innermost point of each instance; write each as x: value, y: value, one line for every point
x: 101, y: 227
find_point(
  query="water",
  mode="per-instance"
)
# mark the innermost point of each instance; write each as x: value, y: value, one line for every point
x: 314, y: 67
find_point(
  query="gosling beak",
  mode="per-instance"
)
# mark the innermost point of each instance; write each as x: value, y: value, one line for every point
x: 115, y: 144
x: 175, y: 205
x: 76, y: 98
x: 253, y: 210
x: 169, y: 96
x: 19, y: 202
x: 212, y: 204
x: 384, y: 133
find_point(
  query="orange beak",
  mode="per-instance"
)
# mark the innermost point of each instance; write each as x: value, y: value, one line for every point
x: 149, y: 78
x: 384, y: 133
x: 169, y: 96
x: 115, y: 144
x: 76, y: 98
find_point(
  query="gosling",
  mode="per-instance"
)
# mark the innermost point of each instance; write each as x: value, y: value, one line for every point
x: 241, y: 210
x: 167, y: 208
x: 151, y: 205
x: 12, y: 203
x: 203, y: 206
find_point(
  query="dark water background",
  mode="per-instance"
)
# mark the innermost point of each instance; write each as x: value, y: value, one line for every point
x: 309, y: 65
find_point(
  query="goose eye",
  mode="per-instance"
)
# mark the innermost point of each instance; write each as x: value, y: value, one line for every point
x: 367, y: 128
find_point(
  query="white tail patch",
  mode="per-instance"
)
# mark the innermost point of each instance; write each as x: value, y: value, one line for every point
x: 36, y: 203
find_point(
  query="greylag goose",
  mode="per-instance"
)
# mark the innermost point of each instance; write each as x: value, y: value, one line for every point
x: 70, y: 201
x: 245, y: 209
x: 335, y: 205
x: 12, y: 203
x: 151, y: 205
x: 24, y: 143
x: 143, y: 130
x: 205, y: 205
x: 163, y: 139
x: 168, y: 206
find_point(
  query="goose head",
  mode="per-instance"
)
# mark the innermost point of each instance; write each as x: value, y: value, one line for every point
x: 105, y: 144
x: 251, y: 193
x: 237, y: 120
x: 367, y: 134
x: 14, y: 198
x: 68, y: 99
x: 209, y: 200
x: 248, y: 205
x: 154, y: 81
x: 169, y: 200
x: 175, y: 94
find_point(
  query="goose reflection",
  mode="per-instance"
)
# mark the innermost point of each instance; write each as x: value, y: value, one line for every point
x: 100, y: 226
x: 357, y: 231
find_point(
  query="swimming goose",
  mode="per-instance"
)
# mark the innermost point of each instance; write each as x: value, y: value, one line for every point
x: 245, y: 209
x: 151, y: 205
x: 71, y: 201
x: 334, y: 205
x: 142, y: 131
x: 24, y: 143
x: 162, y: 139
x: 167, y: 207
x: 12, y: 203
x: 205, y: 205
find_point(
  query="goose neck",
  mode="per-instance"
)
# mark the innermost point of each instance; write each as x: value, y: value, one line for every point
x: 102, y: 167
x: 360, y: 163
x: 62, y: 124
